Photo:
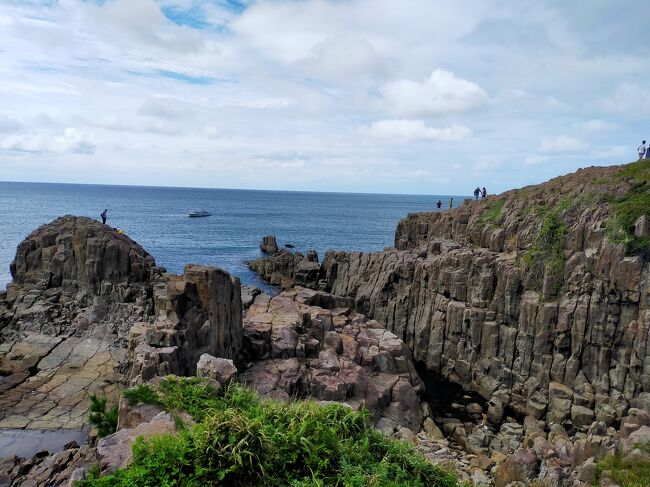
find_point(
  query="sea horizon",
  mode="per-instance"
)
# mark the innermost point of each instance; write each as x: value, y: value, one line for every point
x: 233, y: 189
x: 156, y: 217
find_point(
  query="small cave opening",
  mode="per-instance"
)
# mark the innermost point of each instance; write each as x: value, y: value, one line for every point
x: 448, y: 399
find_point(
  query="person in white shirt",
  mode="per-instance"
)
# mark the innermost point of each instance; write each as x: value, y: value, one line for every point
x: 642, y: 149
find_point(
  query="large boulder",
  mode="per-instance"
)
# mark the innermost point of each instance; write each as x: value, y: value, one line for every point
x: 79, y: 253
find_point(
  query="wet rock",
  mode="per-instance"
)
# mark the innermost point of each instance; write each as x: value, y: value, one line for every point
x: 269, y: 245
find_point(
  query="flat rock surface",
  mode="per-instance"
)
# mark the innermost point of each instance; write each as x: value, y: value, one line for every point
x: 52, y: 379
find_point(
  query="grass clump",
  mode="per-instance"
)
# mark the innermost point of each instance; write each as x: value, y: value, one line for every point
x: 546, y: 256
x: 242, y: 440
x: 104, y: 420
x: 628, y: 208
x: 491, y: 216
x: 627, y: 471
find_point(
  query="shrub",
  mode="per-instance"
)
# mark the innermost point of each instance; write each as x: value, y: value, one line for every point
x: 241, y: 440
x: 104, y: 421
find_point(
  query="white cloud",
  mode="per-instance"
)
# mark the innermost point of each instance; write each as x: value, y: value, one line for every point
x: 561, y: 144
x: 442, y: 92
x: 279, y: 77
x: 595, y: 125
x: 629, y: 98
x: 8, y: 124
x: 71, y: 140
x: 413, y: 130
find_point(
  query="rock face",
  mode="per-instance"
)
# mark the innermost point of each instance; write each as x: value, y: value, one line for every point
x: 567, y: 345
x: 77, y: 253
x: 287, y: 269
x: 88, y: 306
x: 300, y: 349
x: 78, y: 286
x: 199, y: 312
x: 269, y: 245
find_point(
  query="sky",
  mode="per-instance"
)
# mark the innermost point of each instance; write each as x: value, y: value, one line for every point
x: 382, y: 96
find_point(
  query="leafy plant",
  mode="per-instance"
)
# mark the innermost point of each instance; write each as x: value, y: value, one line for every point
x: 492, y: 213
x: 546, y: 256
x: 242, y: 440
x: 627, y: 471
x: 105, y: 421
x: 142, y: 393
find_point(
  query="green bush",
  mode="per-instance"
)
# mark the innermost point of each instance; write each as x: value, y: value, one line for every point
x: 241, y: 440
x: 547, y: 252
x: 104, y: 421
x: 627, y: 472
x: 491, y: 216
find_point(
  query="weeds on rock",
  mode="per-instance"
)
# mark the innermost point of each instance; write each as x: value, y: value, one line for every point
x: 242, y: 440
x: 491, y: 216
x: 105, y: 421
x: 546, y: 256
x: 626, y: 471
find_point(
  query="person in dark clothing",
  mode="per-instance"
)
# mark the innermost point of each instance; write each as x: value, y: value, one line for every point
x: 477, y: 192
x: 451, y: 203
x: 484, y: 193
x: 103, y: 215
x: 439, y: 204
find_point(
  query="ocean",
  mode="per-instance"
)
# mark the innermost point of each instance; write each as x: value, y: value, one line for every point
x: 156, y: 217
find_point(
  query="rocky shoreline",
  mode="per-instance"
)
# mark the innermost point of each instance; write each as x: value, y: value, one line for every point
x: 520, y: 313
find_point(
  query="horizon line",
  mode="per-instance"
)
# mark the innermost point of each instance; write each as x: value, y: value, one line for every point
x: 229, y: 189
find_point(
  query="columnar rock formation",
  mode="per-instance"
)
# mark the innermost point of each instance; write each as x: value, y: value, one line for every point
x: 523, y: 298
x: 196, y: 313
x: 88, y: 310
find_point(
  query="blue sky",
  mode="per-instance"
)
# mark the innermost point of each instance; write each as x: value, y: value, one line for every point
x: 415, y: 96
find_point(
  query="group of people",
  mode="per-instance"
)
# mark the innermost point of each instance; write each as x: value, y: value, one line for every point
x: 480, y: 192
x: 644, y: 150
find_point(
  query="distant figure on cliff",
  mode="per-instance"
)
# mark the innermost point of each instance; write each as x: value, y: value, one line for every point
x: 642, y: 150
x: 477, y: 192
x: 647, y: 152
x: 103, y: 215
x: 439, y: 204
x: 451, y: 202
x: 484, y: 193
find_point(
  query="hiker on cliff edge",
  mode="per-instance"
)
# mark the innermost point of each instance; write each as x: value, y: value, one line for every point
x: 451, y: 203
x: 477, y: 192
x: 642, y: 149
x: 103, y: 215
x: 439, y: 204
x: 484, y: 193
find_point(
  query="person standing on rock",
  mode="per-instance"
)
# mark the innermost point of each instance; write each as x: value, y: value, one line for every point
x: 647, y: 152
x: 103, y: 215
x: 451, y: 203
x: 484, y: 193
x: 642, y: 150
x: 477, y: 191
x: 439, y: 204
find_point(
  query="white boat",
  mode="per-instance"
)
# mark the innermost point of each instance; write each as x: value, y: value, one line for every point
x: 199, y: 213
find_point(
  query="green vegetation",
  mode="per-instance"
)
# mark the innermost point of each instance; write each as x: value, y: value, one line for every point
x: 104, y: 421
x: 242, y: 440
x: 628, y: 208
x: 491, y: 216
x: 627, y: 472
x: 547, y: 252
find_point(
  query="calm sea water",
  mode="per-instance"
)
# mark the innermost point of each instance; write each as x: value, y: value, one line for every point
x: 157, y: 219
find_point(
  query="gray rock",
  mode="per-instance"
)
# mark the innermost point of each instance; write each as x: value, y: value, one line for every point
x: 220, y: 369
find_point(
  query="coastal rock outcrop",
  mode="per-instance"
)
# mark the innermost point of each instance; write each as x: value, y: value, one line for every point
x: 525, y: 298
x: 300, y: 349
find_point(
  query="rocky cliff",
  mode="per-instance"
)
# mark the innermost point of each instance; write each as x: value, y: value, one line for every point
x: 88, y: 311
x: 538, y: 299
